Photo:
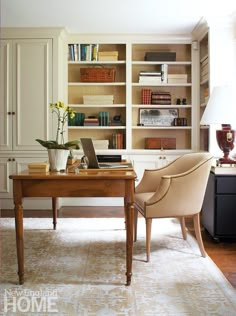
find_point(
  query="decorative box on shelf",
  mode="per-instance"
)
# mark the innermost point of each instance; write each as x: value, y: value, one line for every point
x: 160, y: 143
x: 177, y: 78
x: 97, y: 74
x: 108, y: 56
x: 98, y: 99
x: 160, y: 56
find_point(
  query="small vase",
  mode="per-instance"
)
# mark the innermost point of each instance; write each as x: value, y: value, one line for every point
x: 58, y: 159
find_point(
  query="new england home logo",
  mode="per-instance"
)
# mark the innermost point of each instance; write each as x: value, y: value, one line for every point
x: 27, y: 301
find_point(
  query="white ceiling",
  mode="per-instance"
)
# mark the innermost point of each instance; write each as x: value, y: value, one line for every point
x: 114, y: 16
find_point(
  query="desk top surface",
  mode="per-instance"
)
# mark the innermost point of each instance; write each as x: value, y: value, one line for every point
x: 82, y: 174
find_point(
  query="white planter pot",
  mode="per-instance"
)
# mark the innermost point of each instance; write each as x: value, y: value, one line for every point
x: 58, y: 159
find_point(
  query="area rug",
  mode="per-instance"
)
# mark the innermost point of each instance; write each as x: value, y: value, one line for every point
x: 79, y: 269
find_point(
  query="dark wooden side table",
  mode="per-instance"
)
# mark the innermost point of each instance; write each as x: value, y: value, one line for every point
x: 219, y: 206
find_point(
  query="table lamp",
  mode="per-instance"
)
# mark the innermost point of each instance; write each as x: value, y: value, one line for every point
x: 221, y: 109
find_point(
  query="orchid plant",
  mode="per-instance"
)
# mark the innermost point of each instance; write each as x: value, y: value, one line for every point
x: 63, y: 113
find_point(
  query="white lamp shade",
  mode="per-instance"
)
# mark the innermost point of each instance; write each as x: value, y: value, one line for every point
x: 221, y: 107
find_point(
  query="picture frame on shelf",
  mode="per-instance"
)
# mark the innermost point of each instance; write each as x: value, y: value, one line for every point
x: 157, y: 116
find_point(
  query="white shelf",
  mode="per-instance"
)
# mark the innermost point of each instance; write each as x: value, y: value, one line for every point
x: 77, y: 84
x: 97, y: 105
x: 162, y: 127
x: 187, y: 106
x: 137, y: 84
x: 118, y: 62
x: 96, y: 127
x: 175, y: 63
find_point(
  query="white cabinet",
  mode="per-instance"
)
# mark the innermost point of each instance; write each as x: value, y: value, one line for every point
x: 26, y: 90
x: 32, y: 75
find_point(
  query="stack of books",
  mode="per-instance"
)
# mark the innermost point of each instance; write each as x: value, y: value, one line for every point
x: 150, y: 77
x: 91, y: 121
x: 38, y: 167
x: 98, y: 99
x: 161, y: 98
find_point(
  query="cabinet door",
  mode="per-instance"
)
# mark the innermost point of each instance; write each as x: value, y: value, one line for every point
x: 6, y: 95
x: 9, y: 166
x: 5, y: 183
x: 32, y: 92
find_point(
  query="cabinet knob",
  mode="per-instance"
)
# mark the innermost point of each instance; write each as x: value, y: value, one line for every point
x: 9, y: 113
x: 9, y: 159
x: 13, y: 113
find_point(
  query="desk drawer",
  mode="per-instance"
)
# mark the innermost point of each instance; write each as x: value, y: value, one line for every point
x: 226, y: 185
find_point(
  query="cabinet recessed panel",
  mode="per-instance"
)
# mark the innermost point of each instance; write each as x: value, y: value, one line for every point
x: 6, y: 112
x: 4, y: 171
x: 33, y: 71
x: 225, y: 215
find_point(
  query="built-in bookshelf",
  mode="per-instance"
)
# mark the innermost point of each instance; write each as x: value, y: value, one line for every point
x: 174, y: 84
x: 135, y: 75
x: 100, y: 101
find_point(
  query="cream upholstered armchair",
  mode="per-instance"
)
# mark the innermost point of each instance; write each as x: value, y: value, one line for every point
x: 176, y: 190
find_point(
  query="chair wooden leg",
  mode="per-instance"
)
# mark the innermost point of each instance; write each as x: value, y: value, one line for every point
x: 197, y: 229
x: 183, y: 227
x: 148, y: 237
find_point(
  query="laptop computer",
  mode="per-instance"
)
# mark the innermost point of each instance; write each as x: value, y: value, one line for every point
x: 89, y: 152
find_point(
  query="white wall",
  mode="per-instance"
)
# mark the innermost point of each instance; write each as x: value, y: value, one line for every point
x: 222, y: 50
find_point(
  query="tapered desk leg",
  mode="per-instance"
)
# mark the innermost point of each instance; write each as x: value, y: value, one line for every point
x: 19, y: 241
x: 54, y: 212
x: 129, y: 209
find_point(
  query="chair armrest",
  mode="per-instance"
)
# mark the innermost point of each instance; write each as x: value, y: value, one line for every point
x: 152, y: 177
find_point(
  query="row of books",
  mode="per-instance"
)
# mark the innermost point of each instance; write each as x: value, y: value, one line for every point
x: 102, y: 119
x: 90, y: 52
x: 204, y: 69
x: 117, y: 141
x: 83, y: 52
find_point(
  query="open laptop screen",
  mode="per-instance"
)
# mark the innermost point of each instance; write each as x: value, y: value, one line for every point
x: 89, y: 152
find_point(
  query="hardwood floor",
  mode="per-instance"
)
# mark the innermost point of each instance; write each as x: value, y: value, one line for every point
x: 222, y: 253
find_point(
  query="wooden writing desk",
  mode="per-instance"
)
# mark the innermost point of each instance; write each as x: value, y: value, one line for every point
x: 90, y: 183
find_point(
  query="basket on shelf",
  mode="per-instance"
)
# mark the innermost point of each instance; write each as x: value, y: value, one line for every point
x: 93, y: 74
